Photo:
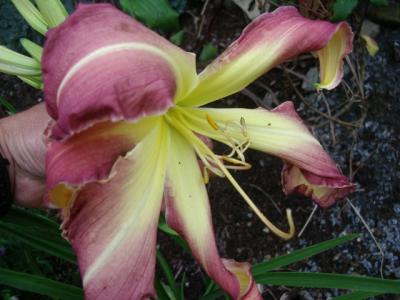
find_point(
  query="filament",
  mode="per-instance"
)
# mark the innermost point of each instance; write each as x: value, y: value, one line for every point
x: 209, y: 158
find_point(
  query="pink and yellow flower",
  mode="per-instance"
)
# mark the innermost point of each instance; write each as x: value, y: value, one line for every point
x: 128, y: 134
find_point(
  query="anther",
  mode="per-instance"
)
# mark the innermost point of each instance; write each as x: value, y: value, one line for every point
x: 243, y: 126
x: 212, y: 123
x: 238, y: 164
x: 206, y: 177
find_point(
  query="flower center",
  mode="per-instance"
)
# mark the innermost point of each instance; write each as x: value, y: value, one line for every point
x: 219, y: 164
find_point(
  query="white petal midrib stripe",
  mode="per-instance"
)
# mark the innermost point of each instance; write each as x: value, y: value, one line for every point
x: 116, y: 48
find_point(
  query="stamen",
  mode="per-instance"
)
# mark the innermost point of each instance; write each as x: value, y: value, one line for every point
x: 210, y: 159
x: 238, y: 147
x: 244, y: 127
x: 206, y: 161
x: 211, y: 121
x: 261, y: 216
x: 239, y: 164
x: 206, y: 177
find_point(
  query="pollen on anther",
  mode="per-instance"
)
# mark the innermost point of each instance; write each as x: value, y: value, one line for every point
x: 212, y: 123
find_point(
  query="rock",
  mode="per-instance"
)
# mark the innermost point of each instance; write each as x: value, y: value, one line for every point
x: 312, y: 77
x: 305, y: 295
x: 252, y: 8
x: 396, y: 208
x: 396, y: 50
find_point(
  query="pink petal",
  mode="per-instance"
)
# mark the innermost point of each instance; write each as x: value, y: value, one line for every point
x: 112, y: 224
x: 323, y: 190
x: 188, y: 212
x: 89, y: 155
x: 101, y: 65
x: 268, y: 41
x: 279, y: 132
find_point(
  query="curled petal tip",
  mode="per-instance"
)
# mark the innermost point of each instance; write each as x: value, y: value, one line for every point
x: 324, y: 191
x: 269, y: 40
x: 331, y: 56
x: 248, y: 286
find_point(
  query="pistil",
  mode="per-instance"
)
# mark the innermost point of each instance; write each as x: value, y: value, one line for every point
x: 215, y: 164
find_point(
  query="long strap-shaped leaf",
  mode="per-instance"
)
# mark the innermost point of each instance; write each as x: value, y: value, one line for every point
x: 324, y: 280
x: 14, y: 63
x: 32, y: 48
x: 36, y: 231
x: 31, y: 15
x: 41, y: 240
x: 299, y: 255
x: 40, y: 285
x: 30, y: 218
x: 52, y: 11
x: 8, y: 106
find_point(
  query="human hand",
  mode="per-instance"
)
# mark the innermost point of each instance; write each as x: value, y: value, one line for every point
x: 22, y: 144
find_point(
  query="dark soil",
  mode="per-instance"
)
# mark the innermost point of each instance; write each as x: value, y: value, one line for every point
x: 368, y: 152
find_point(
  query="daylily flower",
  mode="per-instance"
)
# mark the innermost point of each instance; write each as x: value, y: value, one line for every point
x: 129, y: 132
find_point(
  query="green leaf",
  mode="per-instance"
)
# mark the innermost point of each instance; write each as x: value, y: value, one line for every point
x: 356, y: 296
x: 29, y: 218
x: 36, y: 231
x: 162, y: 262
x: 32, y: 48
x: 178, y: 37
x: 343, y: 8
x: 40, y: 285
x: 298, y: 255
x: 182, y: 287
x: 212, y: 286
x: 380, y: 2
x: 8, y: 106
x: 213, y: 295
x: 33, y: 81
x: 330, y: 281
x: 52, y: 11
x: 208, y: 52
x: 156, y: 14
x: 163, y: 226
x: 161, y: 293
x: 31, y: 15
x: 45, y: 241
x: 14, y: 63
x: 168, y: 291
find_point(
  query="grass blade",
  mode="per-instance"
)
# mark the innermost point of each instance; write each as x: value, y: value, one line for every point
x: 32, y: 81
x: 182, y: 287
x: 36, y: 231
x: 53, y: 11
x: 161, y: 293
x: 8, y: 106
x: 32, y: 48
x: 31, y: 15
x: 41, y: 240
x: 29, y: 218
x: 213, y: 295
x: 324, y: 280
x: 299, y: 255
x: 163, y: 226
x: 168, y: 273
x: 40, y: 285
